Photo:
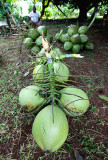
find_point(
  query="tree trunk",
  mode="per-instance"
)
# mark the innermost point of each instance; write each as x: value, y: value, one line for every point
x: 44, y: 6
x: 83, y: 13
x: 8, y: 20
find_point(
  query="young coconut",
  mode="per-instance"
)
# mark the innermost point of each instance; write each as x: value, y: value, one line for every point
x: 61, y: 72
x: 68, y: 46
x: 56, y: 52
x: 72, y: 29
x: 65, y: 38
x: 83, y: 29
x: 74, y: 101
x: 89, y: 45
x: 39, y: 73
x: 34, y: 50
x: 75, y: 39
x: 33, y: 33
x: 76, y: 48
x: 39, y: 41
x: 83, y: 38
x: 28, y: 42
x: 50, y: 128
x: 49, y: 38
x: 41, y: 29
x: 30, y: 97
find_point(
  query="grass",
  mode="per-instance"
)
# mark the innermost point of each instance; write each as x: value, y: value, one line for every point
x: 86, y: 132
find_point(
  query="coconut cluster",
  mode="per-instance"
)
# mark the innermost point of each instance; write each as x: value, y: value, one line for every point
x: 75, y: 39
x: 34, y: 39
x: 50, y: 75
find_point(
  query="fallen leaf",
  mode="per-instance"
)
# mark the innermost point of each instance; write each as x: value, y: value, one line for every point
x: 103, y: 97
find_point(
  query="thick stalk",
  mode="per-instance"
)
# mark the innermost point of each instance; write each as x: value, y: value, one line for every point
x: 51, y: 75
x: 8, y: 21
x: 51, y: 71
x: 68, y: 56
x: 52, y: 81
x: 92, y: 21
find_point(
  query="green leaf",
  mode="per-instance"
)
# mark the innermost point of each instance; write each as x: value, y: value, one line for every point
x: 103, y: 97
x: 69, y: 147
x: 2, y: 11
x: 6, y: 4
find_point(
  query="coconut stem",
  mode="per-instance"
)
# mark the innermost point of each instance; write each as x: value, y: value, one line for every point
x: 50, y: 67
x: 51, y: 75
x: 92, y: 21
x: 68, y: 56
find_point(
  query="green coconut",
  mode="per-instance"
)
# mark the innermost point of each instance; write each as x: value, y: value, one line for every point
x: 33, y: 33
x: 68, y: 46
x: 30, y: 98
x: 82, y: 29
x: 39, y: 41
x: 76, y: 48
x: 74, y: 101
x: 65, y: 38
x: 89, y: 45
x: 49, y: 38
x: 56, y: 52
x: 28, y: 42
x: 50, y: 128
x: 83, y: 38
x: 39, y: 73
x: 72, y: 29
x: 34, y: 50
x: 41, y: 29
x: 75, y: 38
x: 61, y: 72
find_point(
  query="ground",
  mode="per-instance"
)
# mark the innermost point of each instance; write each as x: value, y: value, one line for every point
x: 88, y: 134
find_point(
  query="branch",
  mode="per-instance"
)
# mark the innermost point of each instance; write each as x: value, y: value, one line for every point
x: 61, y: 11
x: 44, y: 6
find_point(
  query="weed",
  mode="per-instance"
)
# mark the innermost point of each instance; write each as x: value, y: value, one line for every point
x: 93, y: 109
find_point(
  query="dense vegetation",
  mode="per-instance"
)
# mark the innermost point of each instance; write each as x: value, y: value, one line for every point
x: 54, y: 9
x: 83, y: 5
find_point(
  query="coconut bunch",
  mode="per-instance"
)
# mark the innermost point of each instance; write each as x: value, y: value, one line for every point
x: 51, y: 99
x: 34, y: 40
x: 75, y: 39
